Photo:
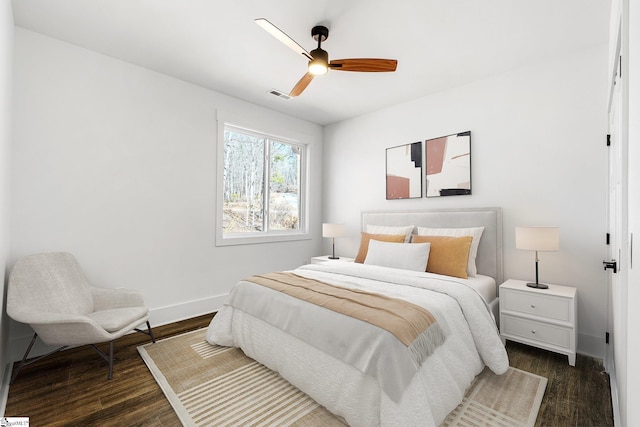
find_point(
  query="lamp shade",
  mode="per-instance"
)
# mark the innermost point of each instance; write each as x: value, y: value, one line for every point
x: 544, y: 239
x: 332, y: 230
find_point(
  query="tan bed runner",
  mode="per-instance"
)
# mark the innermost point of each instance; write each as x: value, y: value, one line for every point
x: 406, y: 321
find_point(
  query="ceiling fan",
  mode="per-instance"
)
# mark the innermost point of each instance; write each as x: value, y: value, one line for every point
x: 319, y: 59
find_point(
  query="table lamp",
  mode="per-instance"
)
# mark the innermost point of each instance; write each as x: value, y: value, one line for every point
x: 333, y: 231
x: 539, y: 239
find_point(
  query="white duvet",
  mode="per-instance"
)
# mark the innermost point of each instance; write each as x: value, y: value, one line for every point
x: 472, y: 342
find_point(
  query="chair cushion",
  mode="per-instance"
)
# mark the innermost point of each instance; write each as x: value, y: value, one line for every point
x: 116, y: 319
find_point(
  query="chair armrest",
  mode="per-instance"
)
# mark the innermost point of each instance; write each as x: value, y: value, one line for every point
x: 107, y: 299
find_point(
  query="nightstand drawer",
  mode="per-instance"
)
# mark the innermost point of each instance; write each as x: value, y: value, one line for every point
x: 541, y: 305
x: 532, y: 330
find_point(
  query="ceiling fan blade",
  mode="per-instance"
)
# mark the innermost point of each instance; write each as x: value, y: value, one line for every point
x: 301, y: 85
x: 283, y: 37
x: 364, y: 64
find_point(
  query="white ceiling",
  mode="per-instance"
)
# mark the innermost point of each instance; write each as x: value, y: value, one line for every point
x: 439, y: 44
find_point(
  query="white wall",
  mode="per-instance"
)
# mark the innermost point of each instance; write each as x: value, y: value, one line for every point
x: 6, y: 66
x: 116, y: 164
x: 538, y: 151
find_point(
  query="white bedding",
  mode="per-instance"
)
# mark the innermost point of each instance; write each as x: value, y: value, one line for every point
x: 472, y: 342
x: 485, y: 286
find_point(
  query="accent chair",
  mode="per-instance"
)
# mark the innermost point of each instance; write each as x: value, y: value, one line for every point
x: 50, y: 292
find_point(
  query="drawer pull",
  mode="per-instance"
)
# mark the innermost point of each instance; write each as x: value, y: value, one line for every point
x: 533, y: 331
x: 533, y: 306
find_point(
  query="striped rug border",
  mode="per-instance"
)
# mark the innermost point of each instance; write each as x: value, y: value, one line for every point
x: 192, y: 411
x: 195, y: 407
x: 166, y: 388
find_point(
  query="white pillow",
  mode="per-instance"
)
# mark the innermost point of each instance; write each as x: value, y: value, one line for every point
x: 387, y: 229
x: 407, y: 256
x: 475, y: 232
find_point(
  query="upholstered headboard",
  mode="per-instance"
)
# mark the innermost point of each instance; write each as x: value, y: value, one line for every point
x: 489, y: 258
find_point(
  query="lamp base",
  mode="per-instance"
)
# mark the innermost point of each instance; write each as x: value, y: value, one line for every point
x: 538, y: 285
x: 333, y: 257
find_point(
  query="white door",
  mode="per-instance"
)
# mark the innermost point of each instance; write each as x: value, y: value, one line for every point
x: 616, y: 351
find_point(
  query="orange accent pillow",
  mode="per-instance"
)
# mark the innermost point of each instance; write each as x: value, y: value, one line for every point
x: 448, y: 255
x: 364, y: 243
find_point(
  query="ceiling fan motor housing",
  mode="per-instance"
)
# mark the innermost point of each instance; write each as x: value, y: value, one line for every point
x: 320, y: 63
x: 320, y: 31
x: 320, y: 55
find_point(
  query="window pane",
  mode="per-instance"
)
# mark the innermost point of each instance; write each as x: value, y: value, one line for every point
x: 284, y: 186
x: 243, y: 183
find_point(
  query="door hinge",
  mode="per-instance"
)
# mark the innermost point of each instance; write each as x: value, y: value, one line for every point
x: 606, y: 337
x: 608, y: 239
x: 608, y: 140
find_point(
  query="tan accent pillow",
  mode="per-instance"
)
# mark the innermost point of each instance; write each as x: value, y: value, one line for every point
x: 448, y: 255
x: 476, y: 232
x: 364, y: 243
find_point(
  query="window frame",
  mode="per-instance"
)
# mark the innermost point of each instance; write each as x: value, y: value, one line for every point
x: 268, y: 133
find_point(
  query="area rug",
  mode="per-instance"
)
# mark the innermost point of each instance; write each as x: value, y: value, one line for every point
x: 210, y: 385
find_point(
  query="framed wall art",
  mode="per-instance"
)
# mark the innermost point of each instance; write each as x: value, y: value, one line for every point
x: 404, y: 171
x: 448, y: 165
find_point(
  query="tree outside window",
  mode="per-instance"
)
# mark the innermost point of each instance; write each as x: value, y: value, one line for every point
x: 262, y: 184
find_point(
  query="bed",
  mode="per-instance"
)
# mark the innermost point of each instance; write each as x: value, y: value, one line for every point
x: 363, y: 372
x: 489, y: 254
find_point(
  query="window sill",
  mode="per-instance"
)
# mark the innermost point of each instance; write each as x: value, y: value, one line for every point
x: 243, y: 239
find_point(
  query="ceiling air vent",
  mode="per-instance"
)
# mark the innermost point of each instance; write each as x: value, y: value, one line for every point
x: 280, y: 94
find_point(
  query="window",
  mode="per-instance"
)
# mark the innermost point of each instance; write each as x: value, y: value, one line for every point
x: 263, y: 186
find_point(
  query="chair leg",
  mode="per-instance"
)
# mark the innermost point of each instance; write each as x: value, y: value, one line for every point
x: 24, y: 362
x: 24, y: 358
x: 108, y: 359
x: 149, y: 332
x: 153, y: 339
x: 111, y: 360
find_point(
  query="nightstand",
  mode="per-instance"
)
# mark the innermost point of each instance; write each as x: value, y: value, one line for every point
x: 325, y: 258
x: 544, y: 318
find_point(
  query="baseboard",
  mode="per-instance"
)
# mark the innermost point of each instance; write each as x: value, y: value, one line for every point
x: 21, y: 335
x: 591, y: 345
x: 186, y: 310
x: 4, y: 388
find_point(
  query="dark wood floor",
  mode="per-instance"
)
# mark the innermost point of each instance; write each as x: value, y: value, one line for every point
x: 575, y: 396
x: 71, y: 388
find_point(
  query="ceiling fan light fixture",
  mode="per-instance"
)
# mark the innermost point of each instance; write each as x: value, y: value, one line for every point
x: 318, y: 68
x: 320, y: 63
